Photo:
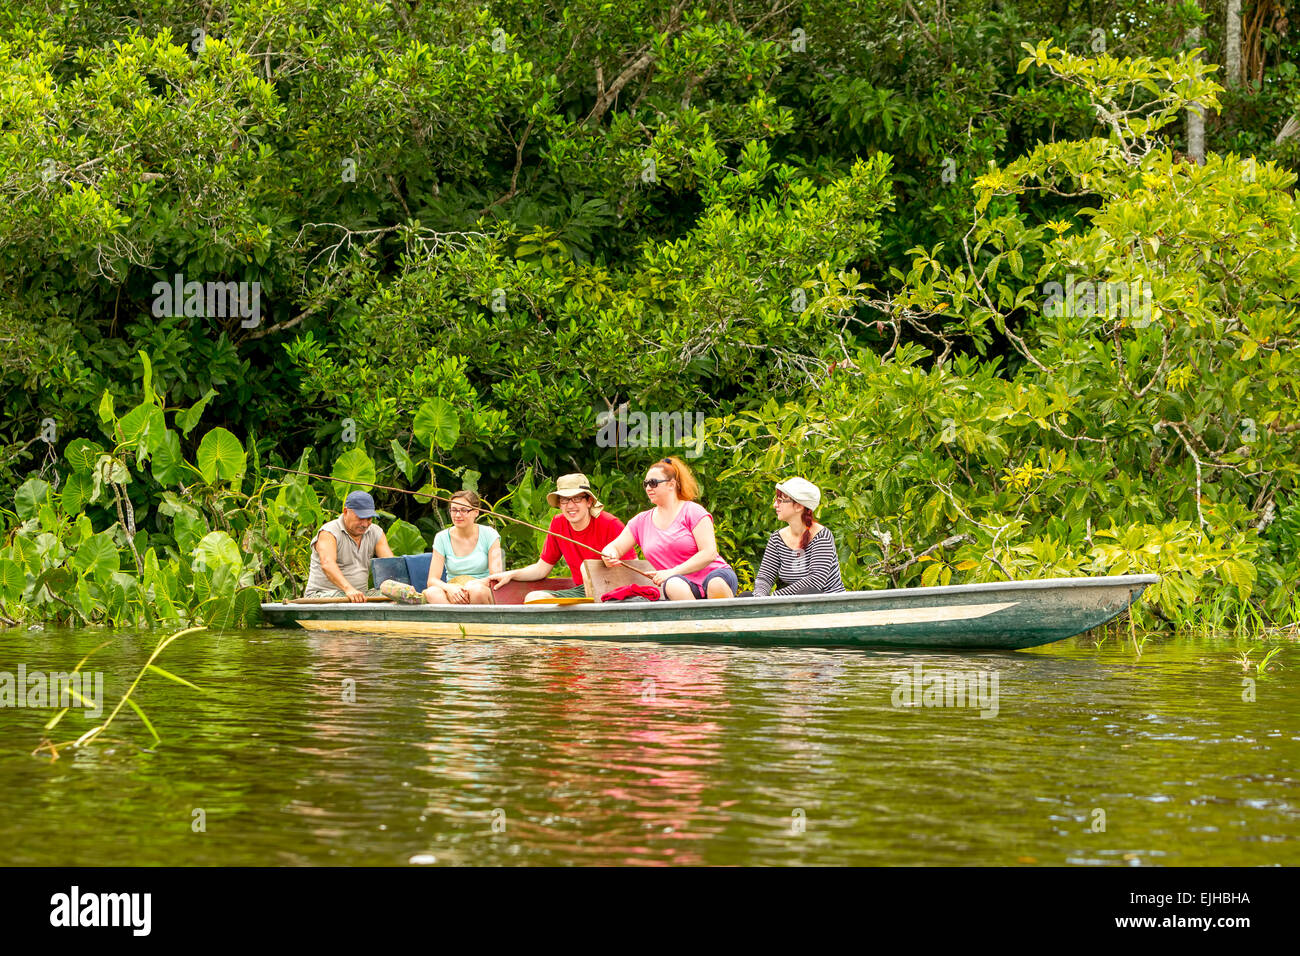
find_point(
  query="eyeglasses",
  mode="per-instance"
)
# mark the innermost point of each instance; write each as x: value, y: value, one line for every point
x: 655, y: 482
x: 462, y: 511
x: 782, y: 499
x: 576, y: 500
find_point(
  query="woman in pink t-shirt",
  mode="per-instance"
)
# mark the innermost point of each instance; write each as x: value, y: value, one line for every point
x: 676, y: 536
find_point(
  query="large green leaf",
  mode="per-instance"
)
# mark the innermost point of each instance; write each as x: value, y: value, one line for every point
x: 247, y: 607
x: 97, y: 557
x: 302, y: 502
x: 156, y: 586
x: 143, y: 426
x: 147, y: 367
x: 405, y: 538
x: 167, y: 464
x: 50, y: 549
x: 225, y: 579
x: 218, y: 611
x: 437, y: 424
x: 162, y: 603
x: 58, y: 580
x: 83, y: 597
x: 188, y: 528
x: 221, y: 456
x: 27, y: 554
x: 522, y: 496
x: 13, y: 580
x: 403, y: 460
x: 155, y: 430
x: 76, y: 493
x: 216, y: 549
x: 112, y: 597
x: 187, y: 419
x: 1240, y: 575
x: 30, y: 496
x: 82, y: 453
x: 352, y: 472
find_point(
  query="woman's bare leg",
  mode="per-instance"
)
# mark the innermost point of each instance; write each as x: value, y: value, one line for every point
x: 678, y: 590
x: 719, y: 588
x: 479, y: 593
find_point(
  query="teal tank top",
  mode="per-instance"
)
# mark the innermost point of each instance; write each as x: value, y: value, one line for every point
x: 475, y: 563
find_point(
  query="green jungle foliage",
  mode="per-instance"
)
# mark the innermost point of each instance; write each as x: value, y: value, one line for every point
x: 953, y: 267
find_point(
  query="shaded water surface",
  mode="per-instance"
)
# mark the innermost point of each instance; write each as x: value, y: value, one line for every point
x: 517, y: 751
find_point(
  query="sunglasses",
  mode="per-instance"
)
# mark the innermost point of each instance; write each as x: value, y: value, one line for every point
x: 655, y: 482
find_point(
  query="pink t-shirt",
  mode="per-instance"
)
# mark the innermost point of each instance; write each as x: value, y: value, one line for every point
x: 667, y: 549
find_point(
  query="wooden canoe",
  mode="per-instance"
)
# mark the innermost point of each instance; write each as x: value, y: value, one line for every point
x: 1001, y: 615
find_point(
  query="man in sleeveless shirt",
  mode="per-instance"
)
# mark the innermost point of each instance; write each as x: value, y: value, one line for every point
x: 342, y: 549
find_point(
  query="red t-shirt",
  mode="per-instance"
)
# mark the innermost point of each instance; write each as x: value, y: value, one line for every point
x: 600, y: 531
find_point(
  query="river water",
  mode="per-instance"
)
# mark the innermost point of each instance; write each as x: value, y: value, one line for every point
x: 311, y: 749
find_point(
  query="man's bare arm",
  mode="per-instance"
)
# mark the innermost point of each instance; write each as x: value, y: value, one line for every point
x: 328, y: 550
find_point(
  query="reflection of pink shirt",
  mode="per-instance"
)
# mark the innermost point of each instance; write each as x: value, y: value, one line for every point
x: 667, y: 549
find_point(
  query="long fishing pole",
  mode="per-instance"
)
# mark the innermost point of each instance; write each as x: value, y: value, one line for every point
x: 497, y: 514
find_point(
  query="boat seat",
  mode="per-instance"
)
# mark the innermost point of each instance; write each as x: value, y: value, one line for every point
x: 410, y: 569
x: 417, y: 569
x: 413, y: 569
x: 598, y: 579
x: 389, y: 569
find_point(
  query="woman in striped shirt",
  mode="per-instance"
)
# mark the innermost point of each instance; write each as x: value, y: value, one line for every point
x: 802, y: 554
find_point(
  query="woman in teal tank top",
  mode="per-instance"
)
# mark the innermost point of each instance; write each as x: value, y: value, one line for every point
x: 468, y: 552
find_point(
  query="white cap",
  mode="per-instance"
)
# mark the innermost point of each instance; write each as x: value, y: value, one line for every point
x: 801, y: 491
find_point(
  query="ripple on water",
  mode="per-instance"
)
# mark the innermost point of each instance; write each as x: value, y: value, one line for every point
x: 309, y: 749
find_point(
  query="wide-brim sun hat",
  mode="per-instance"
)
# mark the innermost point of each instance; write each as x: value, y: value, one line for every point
x: 801, y: 491
x: 570, y: 486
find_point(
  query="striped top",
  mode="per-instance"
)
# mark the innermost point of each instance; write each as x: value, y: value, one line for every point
x: 814, y: 571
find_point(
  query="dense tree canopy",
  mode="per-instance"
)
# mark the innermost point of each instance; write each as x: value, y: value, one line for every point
x: 949, y: 261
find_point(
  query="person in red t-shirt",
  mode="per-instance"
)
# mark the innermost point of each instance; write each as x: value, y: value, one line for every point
x: 581, y: 518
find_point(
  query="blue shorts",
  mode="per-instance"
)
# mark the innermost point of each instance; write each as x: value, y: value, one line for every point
x: 727, y: 574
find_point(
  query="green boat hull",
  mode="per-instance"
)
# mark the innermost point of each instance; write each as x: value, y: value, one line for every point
x: 1002, y: 615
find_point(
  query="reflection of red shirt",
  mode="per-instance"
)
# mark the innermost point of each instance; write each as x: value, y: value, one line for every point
x: 600, y: 531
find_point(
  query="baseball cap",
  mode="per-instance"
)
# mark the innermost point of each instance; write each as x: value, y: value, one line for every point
x: 361, y: 503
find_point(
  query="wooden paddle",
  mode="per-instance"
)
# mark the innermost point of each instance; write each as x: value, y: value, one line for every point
x: 495, y: 514
x: 335, y: 600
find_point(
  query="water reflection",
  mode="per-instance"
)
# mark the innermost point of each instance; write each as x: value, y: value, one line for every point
x: 327, y: 749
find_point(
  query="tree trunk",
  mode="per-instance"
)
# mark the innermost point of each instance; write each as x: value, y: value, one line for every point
x: 1195, y: 118
x: 1232, y: 45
